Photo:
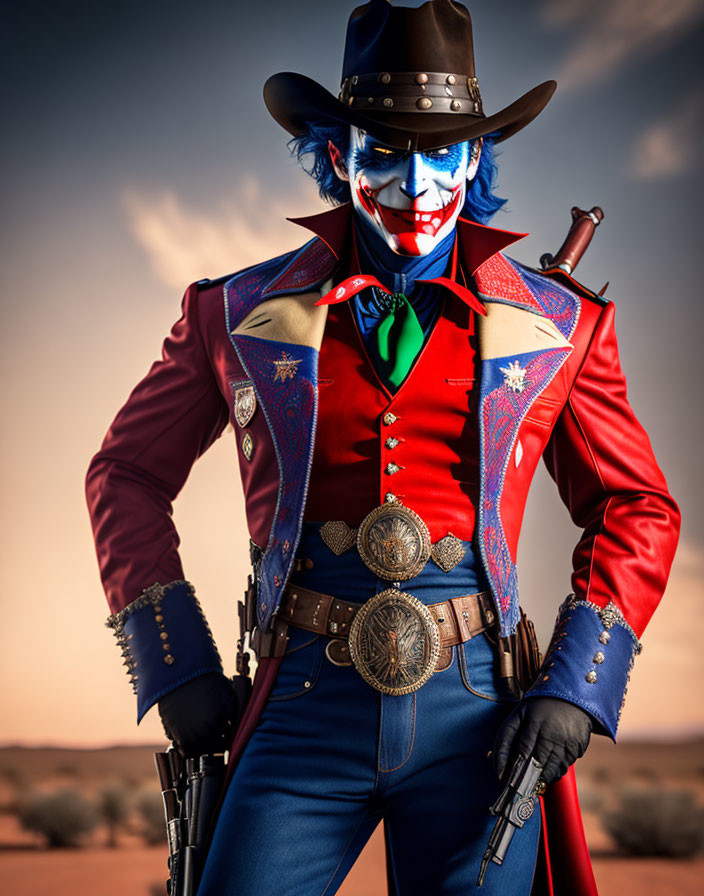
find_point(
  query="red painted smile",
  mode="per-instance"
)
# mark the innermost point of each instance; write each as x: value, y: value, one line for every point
x: 406, y: 221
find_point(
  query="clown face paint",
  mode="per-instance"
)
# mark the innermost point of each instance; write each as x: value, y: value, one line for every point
x: 411, y: 199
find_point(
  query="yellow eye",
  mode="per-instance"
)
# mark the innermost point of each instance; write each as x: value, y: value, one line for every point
x: 383, y: 150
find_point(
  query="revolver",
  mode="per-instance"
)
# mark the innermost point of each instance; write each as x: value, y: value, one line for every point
x: 513, y: 808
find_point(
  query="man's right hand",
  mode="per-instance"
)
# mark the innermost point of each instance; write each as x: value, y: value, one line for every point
x: 198, y: 716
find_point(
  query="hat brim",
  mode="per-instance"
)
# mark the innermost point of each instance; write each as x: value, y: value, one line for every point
x: 294, y: 100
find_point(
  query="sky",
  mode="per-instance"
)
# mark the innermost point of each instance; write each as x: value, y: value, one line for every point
x: 137, y: 156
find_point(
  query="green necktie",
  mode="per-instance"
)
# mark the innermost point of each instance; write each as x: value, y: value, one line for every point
x: 399, y: 337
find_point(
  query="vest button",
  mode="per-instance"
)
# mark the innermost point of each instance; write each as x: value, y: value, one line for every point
x: 390, y: 498
x: 389, y: 418
x: 391, y: 442
x: 390, y: 469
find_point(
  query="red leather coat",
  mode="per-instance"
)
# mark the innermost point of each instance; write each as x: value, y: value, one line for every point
x: 551, y: 387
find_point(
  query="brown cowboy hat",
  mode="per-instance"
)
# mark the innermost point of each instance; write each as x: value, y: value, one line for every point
x: 408, y: 78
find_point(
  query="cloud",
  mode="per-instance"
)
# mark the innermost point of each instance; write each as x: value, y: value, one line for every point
x: 671, y: 146
x: 185, y: 244
x: 611, y: 33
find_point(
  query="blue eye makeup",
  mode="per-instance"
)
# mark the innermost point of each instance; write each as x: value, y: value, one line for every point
x: 376, y: 156
x: 448, y: 158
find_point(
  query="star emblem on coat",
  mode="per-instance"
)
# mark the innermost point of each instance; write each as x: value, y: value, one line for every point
x: 286, y: 367
x: 514, y: 376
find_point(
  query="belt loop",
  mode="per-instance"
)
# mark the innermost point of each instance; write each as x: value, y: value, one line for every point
x: 488, y: 610
x: 458, y: 619
x: 288, y: 603
x: 272, y: 642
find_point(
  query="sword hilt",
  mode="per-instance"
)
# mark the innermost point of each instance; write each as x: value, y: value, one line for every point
x: 576, y: 242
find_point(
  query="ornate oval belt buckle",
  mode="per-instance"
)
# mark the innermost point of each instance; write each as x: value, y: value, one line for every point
x: 394, y: 642
x: 394, y: 542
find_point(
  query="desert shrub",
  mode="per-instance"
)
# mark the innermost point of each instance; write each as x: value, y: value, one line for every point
x: 114, y: 807
x: 601, y: 774
x: 132, y: 782
x: 19, y: 786
x: 646, y: 773
x: 60, y: 818
x: 657, y: 822
x: 591, y: 798
x: 16, y: 778
x: 150, y: 807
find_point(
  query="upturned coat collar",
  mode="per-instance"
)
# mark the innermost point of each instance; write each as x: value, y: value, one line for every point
x: 476, y: 243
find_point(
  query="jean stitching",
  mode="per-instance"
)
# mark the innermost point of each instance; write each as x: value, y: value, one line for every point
x: 381, y: 733
x: 410, y: 748
x: 314, y: 678
x: 291, y: 650
x: 390, y: 857
x: 464, y: 674
x: 449, y: 665
x: 344, y: 853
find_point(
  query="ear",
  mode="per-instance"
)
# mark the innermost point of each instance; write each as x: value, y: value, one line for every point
x: 475, y: 154
x: 338, y: 163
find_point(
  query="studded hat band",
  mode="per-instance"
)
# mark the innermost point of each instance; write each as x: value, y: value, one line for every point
x: 413, y: 92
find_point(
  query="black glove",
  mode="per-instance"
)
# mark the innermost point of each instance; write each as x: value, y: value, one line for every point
x: 198, y: 716
x: 556, y: 733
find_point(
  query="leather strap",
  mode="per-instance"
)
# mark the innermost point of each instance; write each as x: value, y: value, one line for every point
x: 459, y: 619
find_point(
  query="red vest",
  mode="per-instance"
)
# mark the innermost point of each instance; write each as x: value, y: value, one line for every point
x: 419, y: 444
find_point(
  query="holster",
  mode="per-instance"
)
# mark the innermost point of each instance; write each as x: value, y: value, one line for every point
x: 247, y: 613
x: 519, y: 657
x: 264, y: 643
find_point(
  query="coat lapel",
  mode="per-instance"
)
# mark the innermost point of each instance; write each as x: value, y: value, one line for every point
x: 523, y: 342
x: 278, y: 342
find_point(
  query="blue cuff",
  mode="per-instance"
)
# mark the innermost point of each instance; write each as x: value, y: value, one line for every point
x: 165, y: 641
x: 589, y: 661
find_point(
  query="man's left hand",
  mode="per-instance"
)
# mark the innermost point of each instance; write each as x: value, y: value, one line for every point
x: 556, y: 733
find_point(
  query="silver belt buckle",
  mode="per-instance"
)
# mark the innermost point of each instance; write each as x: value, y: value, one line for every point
x: 394, y: 542
x: 394, y: 642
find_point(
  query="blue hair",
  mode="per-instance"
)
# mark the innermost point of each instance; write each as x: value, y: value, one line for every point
x: 480, y: 204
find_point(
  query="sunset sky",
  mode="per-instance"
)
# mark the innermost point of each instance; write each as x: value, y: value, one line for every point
x: 138, y: 156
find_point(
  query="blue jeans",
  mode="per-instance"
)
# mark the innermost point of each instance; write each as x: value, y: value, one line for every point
x: 331, y: 757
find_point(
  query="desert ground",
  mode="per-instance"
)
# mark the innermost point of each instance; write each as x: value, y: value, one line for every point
x: 28, y: 868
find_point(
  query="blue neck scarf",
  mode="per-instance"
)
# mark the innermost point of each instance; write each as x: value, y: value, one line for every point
x: 398, y: 273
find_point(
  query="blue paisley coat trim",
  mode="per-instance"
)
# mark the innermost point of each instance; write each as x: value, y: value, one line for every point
x: 502, y: 410
x: 284, y: 377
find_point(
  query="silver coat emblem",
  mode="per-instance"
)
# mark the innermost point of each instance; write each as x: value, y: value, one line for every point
x: 248, y: 445
x: 245, y: 405
x: 514, y: 376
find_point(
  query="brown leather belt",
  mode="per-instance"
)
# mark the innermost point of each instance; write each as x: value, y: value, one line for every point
x: 458, y: 619
x: 393, y: 640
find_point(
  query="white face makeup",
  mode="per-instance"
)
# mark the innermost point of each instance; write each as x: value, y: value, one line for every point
x: 412, y: 199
